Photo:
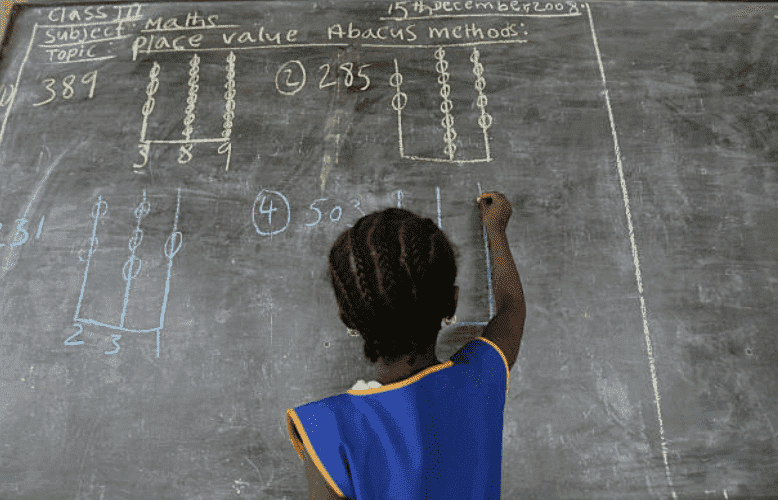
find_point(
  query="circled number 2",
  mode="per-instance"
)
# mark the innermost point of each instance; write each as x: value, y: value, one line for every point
x: 294, y: 86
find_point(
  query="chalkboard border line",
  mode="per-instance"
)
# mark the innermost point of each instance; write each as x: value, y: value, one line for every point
x: 633, y: 245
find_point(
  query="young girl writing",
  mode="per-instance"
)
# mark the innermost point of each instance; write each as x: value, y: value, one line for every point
x: 422, y: 429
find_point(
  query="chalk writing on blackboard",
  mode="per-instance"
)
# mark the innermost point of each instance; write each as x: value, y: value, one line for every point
x: 187, y: 143
x: 191, y: 100
x: 402, y: 10
x: 130, y: 271
x: 229, y: 106
x: 400, y: 100
x: 68, y: 91
x: 20, y: 235
x: 78, y: 34
x: 290, y: 85
x: 292, y: 76
x: 271, y: 218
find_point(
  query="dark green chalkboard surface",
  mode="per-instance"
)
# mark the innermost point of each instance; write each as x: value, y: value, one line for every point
x: 173, y: 176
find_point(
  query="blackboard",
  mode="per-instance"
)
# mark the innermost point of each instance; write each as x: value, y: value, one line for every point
x: 174, y: 174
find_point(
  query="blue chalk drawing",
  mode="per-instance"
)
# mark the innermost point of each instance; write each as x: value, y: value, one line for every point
x: 129, y: 271
x: 492, y: 307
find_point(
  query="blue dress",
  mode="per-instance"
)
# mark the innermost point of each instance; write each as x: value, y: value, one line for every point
x: 435, y: 435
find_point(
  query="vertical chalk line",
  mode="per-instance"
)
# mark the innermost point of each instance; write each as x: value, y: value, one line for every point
x: 133, y: 244
x: 440, y: 222
x: 96, y: 215
x: 446, y: 104
x: 634, y: 253
x: 175, y: 237
x: 492, y: 307
x: 396, y: 81
x: 18, y: 79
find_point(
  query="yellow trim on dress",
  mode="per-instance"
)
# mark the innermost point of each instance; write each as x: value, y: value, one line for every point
x: 432, y: 369
x: 401, y: 383
x: 293, y: 419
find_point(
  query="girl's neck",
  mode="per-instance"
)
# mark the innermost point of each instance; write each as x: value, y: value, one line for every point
x: 401, y: 369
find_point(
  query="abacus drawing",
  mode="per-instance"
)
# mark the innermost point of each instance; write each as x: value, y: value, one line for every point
x: 129, y: 272
x: 400, y: 100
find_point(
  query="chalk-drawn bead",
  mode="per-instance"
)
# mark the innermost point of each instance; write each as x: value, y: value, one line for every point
x: 174, y: 242
x: 446, y: 106
x: 152, y: 87
x: 399, y: 101
x: 148, y: 106
x: 396, y: 80
x: 136, y: 239
x: 485, y: 121
x: 142, y: 209
x: 445, y: 89
x: 128, y: 273
x: 98, y: 207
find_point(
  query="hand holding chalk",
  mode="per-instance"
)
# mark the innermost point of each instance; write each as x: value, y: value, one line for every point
x: 495, y: 210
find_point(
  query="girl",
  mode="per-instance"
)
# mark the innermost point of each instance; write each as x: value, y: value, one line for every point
x: 422, y: 429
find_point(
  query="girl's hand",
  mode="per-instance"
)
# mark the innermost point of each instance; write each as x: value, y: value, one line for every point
x: 495, y: 210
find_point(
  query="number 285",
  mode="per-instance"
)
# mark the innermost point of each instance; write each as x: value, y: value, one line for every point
x: 292, y: 76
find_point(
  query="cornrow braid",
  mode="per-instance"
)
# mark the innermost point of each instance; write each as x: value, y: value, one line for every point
x: 357, y: 268
x: 376, y: 258
x: 390, y: 266
x: 338, y: 269
x: 403, y: 259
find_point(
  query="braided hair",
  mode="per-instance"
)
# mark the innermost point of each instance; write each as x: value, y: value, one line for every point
x: 393, y: 275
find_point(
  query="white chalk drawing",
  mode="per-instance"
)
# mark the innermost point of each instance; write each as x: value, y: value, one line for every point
x: 400, y: 101
x: 187, y: 143
x: 129, y: 272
